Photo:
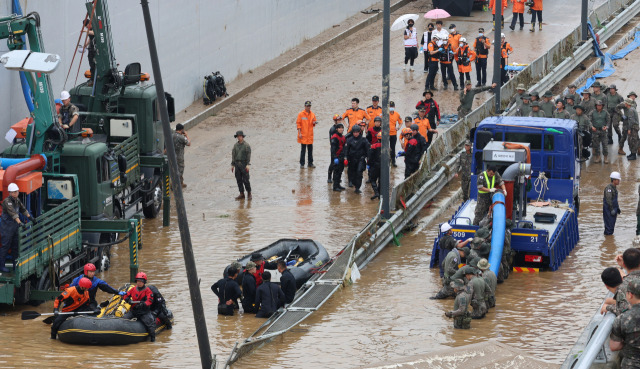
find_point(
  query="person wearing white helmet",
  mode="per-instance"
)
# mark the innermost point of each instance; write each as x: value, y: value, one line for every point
x: 68, y: 116
x: 610, y: 207
x: 464, y: 56
x: 448, y: 243
x: 10, y: 220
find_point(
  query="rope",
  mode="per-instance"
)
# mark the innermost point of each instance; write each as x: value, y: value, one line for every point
x: 396, y: 241
x: 541, y: 182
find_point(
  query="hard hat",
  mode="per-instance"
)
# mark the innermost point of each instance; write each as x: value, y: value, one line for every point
x: 405, y: 131
x: 89, y: 268
x: 379, y: 135
x: 462, y: 39
x: 142, y: 276
x: 502, y: 35
x: 337, y: 117
x: 64, y: 95
x: 414, y: 127
x: 356, y: 128
x: 84, y: 283
x: 13, y: 187
x: 615, y: 175
x: 445, y: 227
x: 377, y: 119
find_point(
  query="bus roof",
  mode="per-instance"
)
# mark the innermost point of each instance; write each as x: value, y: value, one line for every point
x: 568, y: 125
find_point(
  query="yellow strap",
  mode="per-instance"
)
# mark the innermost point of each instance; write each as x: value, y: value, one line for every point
x: 490, y: 185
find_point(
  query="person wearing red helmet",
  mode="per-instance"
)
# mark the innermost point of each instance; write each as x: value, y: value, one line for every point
x: 141, y: 298
x: 74, y: 298
x: 90, y: 273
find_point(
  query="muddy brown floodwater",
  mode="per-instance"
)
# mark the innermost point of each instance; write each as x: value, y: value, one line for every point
x: 385, y: 315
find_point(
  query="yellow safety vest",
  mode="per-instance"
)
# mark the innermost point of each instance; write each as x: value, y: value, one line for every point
x: 489, y: 185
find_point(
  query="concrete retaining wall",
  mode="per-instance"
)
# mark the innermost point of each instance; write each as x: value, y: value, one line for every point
x: 195, y: 37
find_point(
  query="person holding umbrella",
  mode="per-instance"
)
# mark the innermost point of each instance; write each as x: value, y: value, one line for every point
x: 410, y: 44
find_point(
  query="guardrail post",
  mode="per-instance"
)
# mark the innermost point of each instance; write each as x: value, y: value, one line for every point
x: 166, y: 199
x: 134, y: 226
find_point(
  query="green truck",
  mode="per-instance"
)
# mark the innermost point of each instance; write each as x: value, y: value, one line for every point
x: 86, y: 189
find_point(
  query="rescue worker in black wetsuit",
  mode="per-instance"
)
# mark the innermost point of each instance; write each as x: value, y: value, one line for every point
x: 287, y: 282
x: 355, y: 153
x: 249, y: 289
x: 159, y: 308
x: 269, y: 297
x: 11, y: 208
x: 141, y: 298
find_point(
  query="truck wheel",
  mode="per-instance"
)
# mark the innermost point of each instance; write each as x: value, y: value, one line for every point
x: 151, y: 211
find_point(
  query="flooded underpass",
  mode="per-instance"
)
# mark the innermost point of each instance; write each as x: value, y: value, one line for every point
x: 386, y: 315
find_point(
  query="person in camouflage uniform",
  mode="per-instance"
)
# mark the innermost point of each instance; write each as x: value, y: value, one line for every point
x: 517, y: 98
x: 612, y: 280
x: 610, y: 207
x: 569, y: 105
x: 587, y: 102
x: 559, y: 112
x: 464, y: 170
x: 451, y: 263
x: 599, y: 121
x: 481, y: 245
x: 630, y: 127
x: 240, y: 164
x: 536, y: 112
x: 624, y: 333
x: 491, y: 280
x: 180, y: 141
x: 488, y: 180
x: 524, y: 109
x: 613, y: 99
x: 467, y: 95
x: 633, y: 96
x: 460, y: 313
x: 573, y: 94
x: 629, y: 261
x: 446, y: 244
x: 507, y: 253
x: 584, y: 123
x: 547, y: 104
x: 479, y: 291
x: 597, y: 93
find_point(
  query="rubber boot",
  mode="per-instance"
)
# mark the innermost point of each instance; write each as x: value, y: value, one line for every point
x: 249, y: 195
x: 540, y: 26
x: 621, y: 152
x: 610, y: 140
x: 182, y: 181
x: 631, y: 157
x: 241, y: 196
x: 494, y: 26
x: 596, y: 159
x: 533, y: 27
x: 53, y: 336
x: 606, y: 159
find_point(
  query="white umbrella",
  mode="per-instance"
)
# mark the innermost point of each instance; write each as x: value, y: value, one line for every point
x: 401, y: 22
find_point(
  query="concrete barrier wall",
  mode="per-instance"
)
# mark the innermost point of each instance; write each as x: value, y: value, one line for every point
x: 195, y: 37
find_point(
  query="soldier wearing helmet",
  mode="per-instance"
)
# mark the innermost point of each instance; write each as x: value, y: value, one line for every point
x: 11, y: 209
x: 141, y: 298
x: 446, y: 243
x: 72, y: 299
x: 90, y: 274
x: 69, y: 114
x: 610, y: 207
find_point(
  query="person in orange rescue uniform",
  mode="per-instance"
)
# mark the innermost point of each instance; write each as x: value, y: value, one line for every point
x: 536, y: 10
x: 492, y: 6
x: 395, y: 122
x: 72, y: 299
x: 305, y: 122
x: 518, y: 12
x: 374, y: 110
x: 423, y: 123
x: 464, y: 57
x: 355, y: 114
